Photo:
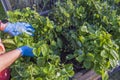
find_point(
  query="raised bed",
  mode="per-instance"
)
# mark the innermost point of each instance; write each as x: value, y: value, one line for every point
x: 86, y: 75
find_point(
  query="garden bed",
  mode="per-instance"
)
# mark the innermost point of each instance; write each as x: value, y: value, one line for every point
x: 77, y: 36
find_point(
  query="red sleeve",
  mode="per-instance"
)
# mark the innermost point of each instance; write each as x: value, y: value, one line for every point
x: 5, y: 74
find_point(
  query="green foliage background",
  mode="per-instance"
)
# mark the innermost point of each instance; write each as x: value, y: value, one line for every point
x: 2, y: 12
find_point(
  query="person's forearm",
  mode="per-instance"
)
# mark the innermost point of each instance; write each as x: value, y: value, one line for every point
x: 8, y: 58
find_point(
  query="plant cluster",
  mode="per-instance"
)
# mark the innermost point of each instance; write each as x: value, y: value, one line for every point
x: 77, y: 34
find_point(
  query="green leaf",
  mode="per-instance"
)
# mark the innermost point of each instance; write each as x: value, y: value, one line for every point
x: 114, y: 54
x: 104, y: 75
x: 80, y: 58
x: 106, y: 47
x: 117, y: 1
x: 71, y: 73
x: 45, y: 50
x: 82, y: 39
x: 41, y: 61
x: 53, y: 43
x: 104, y: 54
x: 69, y: 67
x: 79, y: 43
x: 105, y: 19
x: 49, y: 23
x: 107, y: 65
x: 8, y: 41
x: 59, y: 43
x: 70, y: 4
x: 87, y: 64
x: 84, y: 29
x: 37, y: 51
x: 16, y: 39
x: 46, y: 70
x: 38, y: 78
x: 58, y: 28
x: 113, y: 63
x: 63, y: 71
x: 89, y: 57
x: 58, y: 74
x: 20, y: 44
x: 64, y: 12
x: 70, y: 56
x: 51, y: 68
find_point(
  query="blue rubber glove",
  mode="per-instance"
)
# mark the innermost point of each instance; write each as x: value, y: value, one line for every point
x: 26, y: 51
x: 18, y: 28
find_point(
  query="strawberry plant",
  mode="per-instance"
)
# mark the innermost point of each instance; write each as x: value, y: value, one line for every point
x: 46, y: 65
x: 76, y: 35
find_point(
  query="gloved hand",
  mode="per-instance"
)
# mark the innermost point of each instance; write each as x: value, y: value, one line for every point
x: 18, y: 28
x: 26, y: 51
